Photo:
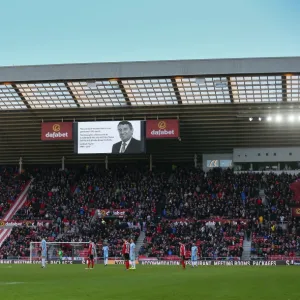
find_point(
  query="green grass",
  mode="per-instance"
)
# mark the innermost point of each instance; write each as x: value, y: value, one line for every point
x: 66, y: 282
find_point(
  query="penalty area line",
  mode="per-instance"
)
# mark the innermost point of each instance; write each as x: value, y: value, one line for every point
x: 11, y: 283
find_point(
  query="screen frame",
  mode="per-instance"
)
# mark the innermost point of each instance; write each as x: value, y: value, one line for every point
x: 142, y: 138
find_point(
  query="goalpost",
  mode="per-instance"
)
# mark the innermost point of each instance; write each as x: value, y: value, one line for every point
x: 72, y: 251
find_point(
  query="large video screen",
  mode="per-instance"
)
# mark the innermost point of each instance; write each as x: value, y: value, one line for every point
x: 110, y: 137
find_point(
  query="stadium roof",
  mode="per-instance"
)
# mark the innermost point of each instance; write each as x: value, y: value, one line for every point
x: 212, y: 98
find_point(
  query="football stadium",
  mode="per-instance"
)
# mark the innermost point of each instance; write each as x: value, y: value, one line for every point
x: 150, y: 180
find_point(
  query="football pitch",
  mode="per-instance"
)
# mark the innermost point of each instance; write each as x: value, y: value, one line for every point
x: 68, y: 282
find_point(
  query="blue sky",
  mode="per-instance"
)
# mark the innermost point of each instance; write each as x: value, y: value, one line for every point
x: 53, y: 32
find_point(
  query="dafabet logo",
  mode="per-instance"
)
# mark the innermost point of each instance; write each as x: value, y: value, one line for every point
x: 62, y: 131
x: 162, y: 125
x: 162, y: 129
x: 56, y: 127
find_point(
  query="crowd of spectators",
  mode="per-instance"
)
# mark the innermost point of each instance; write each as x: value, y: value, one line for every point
x: 182, y: 194
x: 112, y: 232
x: 50, y: 195
x: 276, y: 232
x: 11, y: 185
x: 214, y: 239
x: 17, y: 245
x: 73, y: 199
x: 199, y: 195
x: 270, y: 240
x: 279, y: 196
x: 73, y: 195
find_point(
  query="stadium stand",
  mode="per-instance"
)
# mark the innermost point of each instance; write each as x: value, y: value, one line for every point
x: 215, y: 193
x: 17, y: 245
x: 272, y: 242
x: 276, y: 232
x: 70, y: 199
x: 217, y: 241
x: 190, y: 194
x: 11, y: 185
x: 179, y: 205
x: 78, y: 194
x: 49, y: 195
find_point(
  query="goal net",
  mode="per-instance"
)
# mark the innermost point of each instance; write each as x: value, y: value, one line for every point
x: 71, y: 252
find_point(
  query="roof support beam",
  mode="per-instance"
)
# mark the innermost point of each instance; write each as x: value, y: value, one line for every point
x: 125, y: 95
x: 72, y: 94
x: 13, y: 85
x: 284, y: 88
x: 230, y: 89
x: 176, y: 90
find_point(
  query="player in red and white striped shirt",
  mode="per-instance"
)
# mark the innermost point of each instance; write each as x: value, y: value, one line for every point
x: 182, y: 254
x: 91, y: 253
x: 125, y: 252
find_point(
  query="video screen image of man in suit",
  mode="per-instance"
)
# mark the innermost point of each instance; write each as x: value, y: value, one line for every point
x: 128, y: 144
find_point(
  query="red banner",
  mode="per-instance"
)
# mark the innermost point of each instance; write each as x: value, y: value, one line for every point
x: 162, y: 129
x: 296, y: 211
x: 57, y: 131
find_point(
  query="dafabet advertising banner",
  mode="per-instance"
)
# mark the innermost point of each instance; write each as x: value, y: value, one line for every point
x: 57, y: 131
x: 162, y: 129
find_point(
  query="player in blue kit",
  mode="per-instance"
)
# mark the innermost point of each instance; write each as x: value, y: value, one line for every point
x: 194, y: 255
x: 132, y: 254
x: 44, y: 252
x: 105, y: 254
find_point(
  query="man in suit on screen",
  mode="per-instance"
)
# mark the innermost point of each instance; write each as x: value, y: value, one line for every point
x: 128, y: 144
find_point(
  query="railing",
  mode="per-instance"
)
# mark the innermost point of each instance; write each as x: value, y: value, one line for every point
x: 290, y: 172
x: 274, y: 257
x: 255, y: 257
x: 283, y: 257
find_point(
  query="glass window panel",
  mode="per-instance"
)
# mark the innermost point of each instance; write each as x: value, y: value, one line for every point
x: 203, y: 90
x: 49, y: 95
x: 151, y: 92
x: 10, y: 99
x: 212, y: 163
x: 107, y: 93
x: 292, y: 88
x: 258, y: 88
x: 158, y: 89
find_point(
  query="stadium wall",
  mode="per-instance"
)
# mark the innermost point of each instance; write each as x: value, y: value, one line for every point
x: 250, y: 155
